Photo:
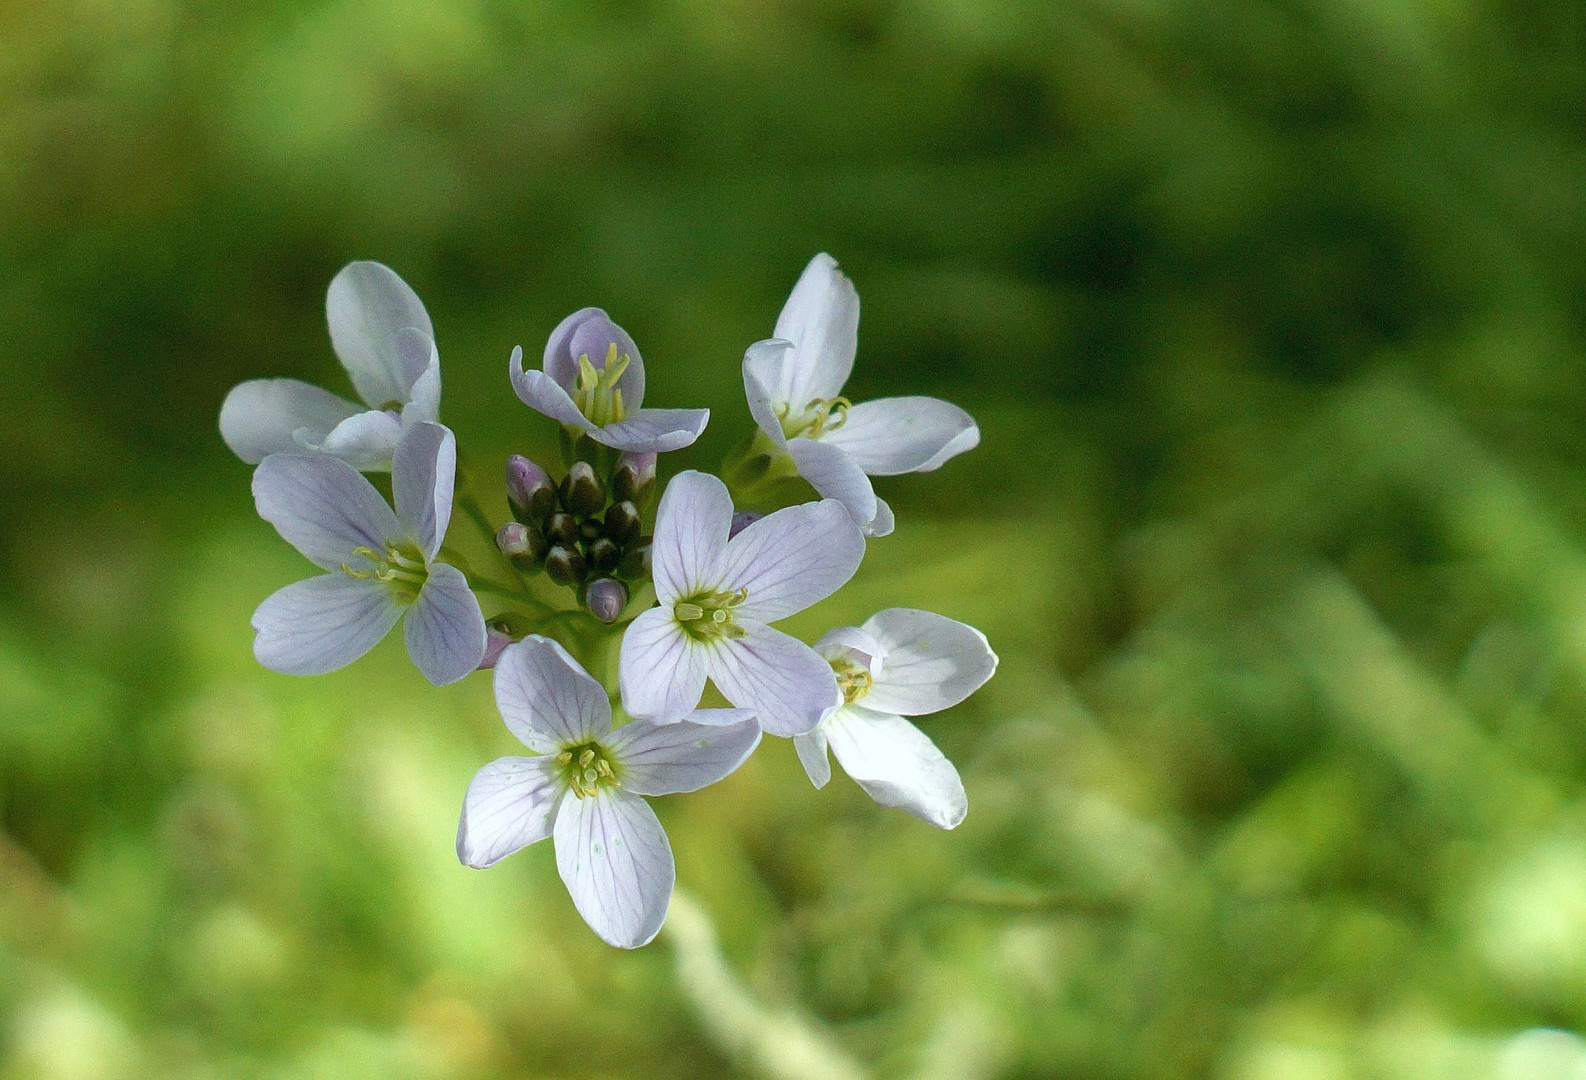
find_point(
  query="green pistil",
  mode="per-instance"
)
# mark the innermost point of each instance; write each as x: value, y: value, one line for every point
x: 707, y: 616
x: 597, y: 395
x: 822, y: 414
x: 400, y: 566
x: 588, y: 768
x: 854, y: 681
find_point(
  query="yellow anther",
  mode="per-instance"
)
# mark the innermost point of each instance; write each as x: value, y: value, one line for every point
x: 565, y: 757
x: 587, y: 769
x: 585, y: 758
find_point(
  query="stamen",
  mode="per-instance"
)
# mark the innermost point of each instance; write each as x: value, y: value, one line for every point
x: 710, y: 615
x: 400, y: 566
x: 596, y: 393
x: 587, y: 769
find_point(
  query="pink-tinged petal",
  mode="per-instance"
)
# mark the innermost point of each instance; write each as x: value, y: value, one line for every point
x: 616, y: 863
x: 444, y: 631
x: 897, y: 765
x: 691, y: 529
x: 854, y: 644
x: 930, y: 662
x: 762, y: 374
x: 547, y: 700
x: 811, y: 750
x: 593, y: 337
x: 791, y: 559
x: 264, y: 416
x: 560, y: 362
x: 653, y: 431
x: 366, y: 441
x: 322, y: 507
x: 661, y: 670
x: 424, y: 402
x: 835, y: 475
x: 890, y: 436
x: 511, y: 803
x: 541, y: 393
x: 322, y: 624
x: 669, y: 759
x: 423, y: 473
x: 368, y: 306
x: 821, y: 319
x: 784, y: 682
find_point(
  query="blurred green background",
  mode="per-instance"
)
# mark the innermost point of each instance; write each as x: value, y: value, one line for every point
x: 1271, y: 313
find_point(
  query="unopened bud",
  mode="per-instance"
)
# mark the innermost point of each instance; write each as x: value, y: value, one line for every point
x: 496, y: 642
x: 604, y: 555
x: 582, y: 493
x: 622, y: 522
x: 605, y: 599
x: 562, y: 529
x: 564, y: 565
x: 530, y: 492
x: 633, y: 478
x: 635, y: 564
x: 741, y: 521
x: 523, y: 544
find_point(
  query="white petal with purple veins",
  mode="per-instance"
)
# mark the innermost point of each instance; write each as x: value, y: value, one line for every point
x: 791, y: 559
x: 444, y: 631
x: 787, y: 684
x: 366, y: 441
x: 616, y: 863
x: 541, y: 393
x: 424, y: 399
x: 821, y: 319
x: 662, y: 669
x: 811, y: 750
x: 423, y: 473
x: 322, y: 507
x: 835, y: 475
x: 668, y: 759
x: 653, y: 431
x: 593, y: 337
x: 322, y: 624
x: 367, y: 307
x: 897, y: 765
x: 691, y: 529
x: 890, y: 436
x: 762, y: 374
x: 932, y: 662
x: 547, y: 700
x: 511, y: 803
x: 264, y: 416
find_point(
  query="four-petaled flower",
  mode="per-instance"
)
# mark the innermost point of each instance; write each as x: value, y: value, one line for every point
x: 384, y: 339
x: 716, y: 596
x: 901, y: 662
x: 583, y: 786
x: 593, y: 382
x: 380, y: 564
x: 794, y: 383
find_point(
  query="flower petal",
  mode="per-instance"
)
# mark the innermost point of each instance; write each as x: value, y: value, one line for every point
x: 323, y: 623
x: 882, y: 523
x: 811, y: 750
x: 424, y: 400
x: 691, y: 529
x: 787, y: 684
x: 541, y: 393
x: 890, y: 436
x: 444, y: 631
x: 367, y: 307
x: 593, y: 337
x: 762, y: 371
x: 835, y: 475
x: 653, y: 431
x: 423, y: 473
x: 662, y: 670
x: 322, y: 507
x: 821, y: 319
x: 262, y: 416
x: 854, y: 644
x: 668, y: 759
x: 366, y: 441
x: 616, y: 863
x: 560, y: 362
x: 792, y: 558
x: 931, y: 662
x: 897, y: 764
x: 547, y: 700
x: 511, y: 803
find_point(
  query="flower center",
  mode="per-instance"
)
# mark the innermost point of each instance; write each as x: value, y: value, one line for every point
x: 596, y: 393
x: 588, y: 768
x: 706, y: 616
x: 400, y: 566
x: 854, y: 681
x: 822, y: 414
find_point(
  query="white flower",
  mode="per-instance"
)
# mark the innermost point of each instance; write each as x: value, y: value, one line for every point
x: 794, y: 383
x: 384, y: 339
x: 381, y: 564
x: 582, y: 786
x: 901, y: 662
x: 716, y: 597
x: 593, y: 381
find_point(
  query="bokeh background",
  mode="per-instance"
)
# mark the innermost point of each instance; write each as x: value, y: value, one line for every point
x: 1271, y: 313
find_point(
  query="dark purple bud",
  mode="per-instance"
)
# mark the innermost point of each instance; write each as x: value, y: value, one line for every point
x: 741, y: 521
x: 530, y: 492
x: 562, y: 529
x: 635, y: 564
x: 604, y: 555
x: 622, y: 522
x: 582, y: 493
x: 634, y: 477
x: 605, y: 599
x: 564, y: 565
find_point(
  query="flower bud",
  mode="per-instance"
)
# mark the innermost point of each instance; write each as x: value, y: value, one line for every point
x: 529, y: 490
x: 562, y: 529
x: 524, y: 545
x: 741, y: 521
x: 622, y: 522
x: 605, y: 599
x: 496, y: 642
x: 604, y: 555
x: 635, y: 564
x: 582, y: 493
x: 564, y: 565
x: 633, y: 478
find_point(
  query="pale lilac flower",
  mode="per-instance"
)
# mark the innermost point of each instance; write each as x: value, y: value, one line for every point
x: 794, y: 383
x: 582, y: 786
x: 593, y: 382
x: 384, y: 339
x: 901, y: 662
x: 716, y: 596
x: 380, y: 564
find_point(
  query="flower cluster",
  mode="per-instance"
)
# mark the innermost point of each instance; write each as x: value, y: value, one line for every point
x: 684, y: 597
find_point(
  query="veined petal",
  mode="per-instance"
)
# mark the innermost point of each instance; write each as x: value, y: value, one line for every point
x: 835, y: 475
x: 854, y: 644
x: 445, y: 631
x: 897, y: 765
x: 661, y: 670
x: 653, y: 431
x: 367, y: 307
x: 890, y: 436
x: 811, y: 750
x: 762, y: 376
x: 511, y: 803
x: 882, y: 523
x: 424, y: 404
x: 593, y: 337
x: 547, y: 700
x: 787, y: 684
x: 322, y: 507
x: 931, y: 662
x: 792, y: 558
x: 365, y: 441
x: 263, y: 416
x: 560, y: 362
x: 821, y: 319
x: 541, y: 393
x: 423, y: 473
x: 322, y: 624
x: 616, y: 863
x: 668, y: 759
x: 691, y: 529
